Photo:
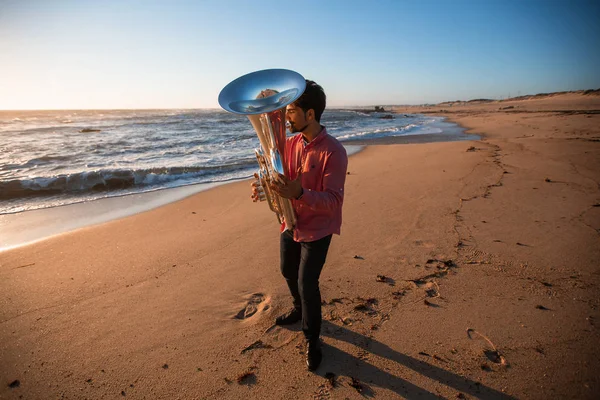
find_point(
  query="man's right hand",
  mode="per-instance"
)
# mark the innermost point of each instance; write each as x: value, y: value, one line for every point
x: 258, y: 193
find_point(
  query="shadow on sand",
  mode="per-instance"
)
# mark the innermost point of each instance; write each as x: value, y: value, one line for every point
x: 344, y: 364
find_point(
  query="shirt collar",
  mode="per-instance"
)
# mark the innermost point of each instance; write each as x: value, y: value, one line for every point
x: 316, y: 140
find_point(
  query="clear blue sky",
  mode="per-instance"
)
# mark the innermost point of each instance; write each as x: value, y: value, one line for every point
x: 180, y: 54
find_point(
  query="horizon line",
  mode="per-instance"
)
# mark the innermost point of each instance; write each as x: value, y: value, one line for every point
x: 584, y: 91
x: 190, y: 108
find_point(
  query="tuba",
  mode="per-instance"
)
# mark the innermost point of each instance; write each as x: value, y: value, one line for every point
x: 262, y: 97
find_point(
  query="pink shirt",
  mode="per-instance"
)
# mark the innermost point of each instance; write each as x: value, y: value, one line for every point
x: 324, y: 163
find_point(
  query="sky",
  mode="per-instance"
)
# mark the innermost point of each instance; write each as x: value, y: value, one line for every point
x: 120, y: 54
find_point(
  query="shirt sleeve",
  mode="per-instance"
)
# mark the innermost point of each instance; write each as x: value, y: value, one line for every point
x: 334, y: 177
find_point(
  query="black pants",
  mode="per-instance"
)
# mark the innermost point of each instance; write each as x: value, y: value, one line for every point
x: 301, y: 265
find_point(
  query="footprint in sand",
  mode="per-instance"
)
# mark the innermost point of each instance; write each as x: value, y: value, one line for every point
x: 255, y: 303
x: 428, y: 244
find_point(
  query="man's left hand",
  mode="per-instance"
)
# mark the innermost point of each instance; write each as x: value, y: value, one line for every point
x: 287, y: 188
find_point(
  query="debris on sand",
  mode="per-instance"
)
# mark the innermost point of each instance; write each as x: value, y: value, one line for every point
x: 26, y: 265
x: 257, y: 345
x: 366, y: 307
x: 492, y: 354
x: 355, y: 383
x: 330, y: 376
x: 430, y: 304
x: 385, y: 279
x: 447, y: 263
x: 247, y: 378
x: 435, y: 356
x: 396, y: 295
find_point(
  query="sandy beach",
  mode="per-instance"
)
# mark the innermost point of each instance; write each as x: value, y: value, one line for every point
x: 466, y: 269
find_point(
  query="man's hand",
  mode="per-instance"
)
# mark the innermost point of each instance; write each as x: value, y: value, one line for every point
x: 287, y: 188
x: 258, y: 192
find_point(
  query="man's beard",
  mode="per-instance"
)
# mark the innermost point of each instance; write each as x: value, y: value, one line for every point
x: 293, y: 128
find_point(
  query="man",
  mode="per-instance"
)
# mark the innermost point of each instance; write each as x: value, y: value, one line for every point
x: 317, y: 165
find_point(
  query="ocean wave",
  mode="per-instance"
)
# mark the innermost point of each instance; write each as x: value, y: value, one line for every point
x: 127, y: 155
x: 62, y: 128
x: 114, y: 179
x: 77, y: 127
x: 345, y: 111
x: 69, y: 124
x: 112, y: 149
x: 373, y: 133
x: 35, y: 162
x: 228, y: 121
x: 426, y: 130
x: 47, y: 160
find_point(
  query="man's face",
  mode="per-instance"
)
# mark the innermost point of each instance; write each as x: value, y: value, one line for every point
x: 296, y: 118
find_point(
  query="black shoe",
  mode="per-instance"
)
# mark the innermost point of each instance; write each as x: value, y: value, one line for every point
x: 313, y: 354
x: 290, y: 317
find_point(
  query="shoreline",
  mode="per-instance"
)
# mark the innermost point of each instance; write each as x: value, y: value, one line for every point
x: 27, y: 227
x: 31, y: 226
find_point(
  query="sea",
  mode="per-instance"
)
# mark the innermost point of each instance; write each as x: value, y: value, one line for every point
x: 55, y: 158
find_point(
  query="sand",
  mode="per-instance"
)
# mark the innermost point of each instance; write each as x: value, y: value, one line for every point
x: 498, y: 235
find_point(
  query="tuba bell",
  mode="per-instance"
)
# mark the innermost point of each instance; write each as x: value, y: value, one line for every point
x: 262, y: 97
